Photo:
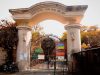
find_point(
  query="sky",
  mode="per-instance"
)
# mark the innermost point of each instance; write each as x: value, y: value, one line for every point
x: 91, y: 16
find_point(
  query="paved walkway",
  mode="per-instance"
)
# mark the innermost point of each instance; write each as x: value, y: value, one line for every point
x: 42, y: 72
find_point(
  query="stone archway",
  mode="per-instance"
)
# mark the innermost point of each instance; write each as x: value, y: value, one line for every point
x: 69, y: 16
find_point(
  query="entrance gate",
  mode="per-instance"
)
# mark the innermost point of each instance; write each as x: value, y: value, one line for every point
x: 69, y: 16
x: 57, y: 49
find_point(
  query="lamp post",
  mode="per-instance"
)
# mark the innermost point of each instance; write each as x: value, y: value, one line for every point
x: 55, y: 62
x: 88, y: 41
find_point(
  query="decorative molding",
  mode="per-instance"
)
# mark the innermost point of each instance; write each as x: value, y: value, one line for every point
x: 48, y: 6
x: 24, y: 27
x: 72, y: 26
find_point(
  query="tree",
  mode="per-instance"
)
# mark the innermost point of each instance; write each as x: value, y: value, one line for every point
x: 48, y: 45
x: 64, y: 36
x: 8, y: 41
x: 36, y: 36
x: 91, y: 36
x: 36, y: 41
x: 84, y: 46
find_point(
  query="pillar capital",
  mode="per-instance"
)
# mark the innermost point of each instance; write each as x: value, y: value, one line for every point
x: 76, y: 25
x: 22, y: 27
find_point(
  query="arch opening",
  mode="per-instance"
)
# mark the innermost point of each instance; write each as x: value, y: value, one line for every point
x: 47, y: 16
x: 52, y: 27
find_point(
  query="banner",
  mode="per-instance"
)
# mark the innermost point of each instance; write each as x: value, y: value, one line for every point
x: 60, y: 45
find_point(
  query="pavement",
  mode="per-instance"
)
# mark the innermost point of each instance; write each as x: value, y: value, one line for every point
x: 37, y: 72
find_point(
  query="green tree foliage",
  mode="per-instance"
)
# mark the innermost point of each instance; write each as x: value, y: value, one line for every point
x: 36, y: 52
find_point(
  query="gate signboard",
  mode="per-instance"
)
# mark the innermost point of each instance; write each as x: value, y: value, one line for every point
x: 60, y: 45
x: 40, y: 56
x: 60, y: 49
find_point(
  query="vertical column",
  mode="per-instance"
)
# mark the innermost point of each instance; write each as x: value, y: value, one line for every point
x: 23, y: 49
x: 73, y: 41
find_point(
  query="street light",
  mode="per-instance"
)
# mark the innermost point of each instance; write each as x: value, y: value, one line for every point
x: 55, y: 62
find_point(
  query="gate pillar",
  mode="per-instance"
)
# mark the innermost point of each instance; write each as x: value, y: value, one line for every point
x: 73, y: 43
x: 23, y: 49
